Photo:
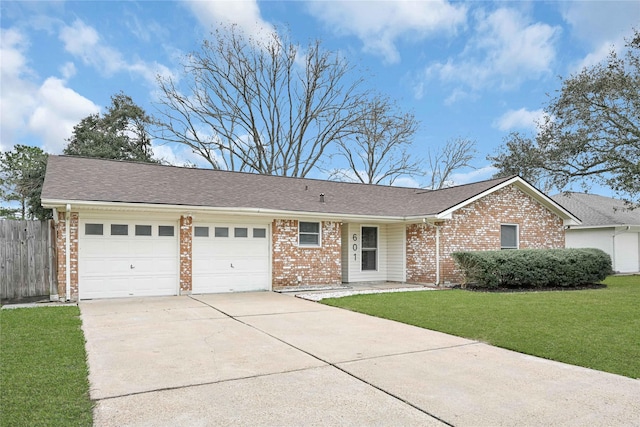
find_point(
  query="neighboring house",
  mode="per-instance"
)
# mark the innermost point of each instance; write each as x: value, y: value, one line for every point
x: 607, y: 224
x: 127, y: 229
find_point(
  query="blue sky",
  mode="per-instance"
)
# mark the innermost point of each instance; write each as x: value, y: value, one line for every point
x: 465, y: 69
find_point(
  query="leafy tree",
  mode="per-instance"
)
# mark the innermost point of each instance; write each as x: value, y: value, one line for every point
x: 260, y: 105
x: 120, y: 134
x: 379, y: 154
x: 442, y: 162
x: 21, y: 177
x: 591, y: 130
x: 519, y: 155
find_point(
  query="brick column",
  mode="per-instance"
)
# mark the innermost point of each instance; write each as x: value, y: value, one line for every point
x: 186, y: 247
x: 61, y: 252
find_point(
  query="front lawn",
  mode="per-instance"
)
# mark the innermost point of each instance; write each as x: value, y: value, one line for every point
x: 43, y: 370
x: 596, y: 328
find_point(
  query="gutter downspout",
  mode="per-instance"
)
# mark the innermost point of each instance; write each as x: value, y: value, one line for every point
x: 437, y: 254
x: 67, y: 246
x: 53, y: 296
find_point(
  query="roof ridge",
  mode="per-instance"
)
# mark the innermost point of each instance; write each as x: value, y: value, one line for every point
x: 196, y: 168
x: 484, y: 181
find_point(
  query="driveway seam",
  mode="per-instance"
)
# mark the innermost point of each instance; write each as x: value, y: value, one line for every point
x: 411, y: 352
x: 388, y: 393
x: 179, y: 387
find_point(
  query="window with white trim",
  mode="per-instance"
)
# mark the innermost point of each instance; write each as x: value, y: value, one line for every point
x: 309, y: 234
x: 508, y: 236
x: 369, y: 248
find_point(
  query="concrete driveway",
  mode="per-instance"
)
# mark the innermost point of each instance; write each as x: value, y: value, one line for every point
x: 271, y: 359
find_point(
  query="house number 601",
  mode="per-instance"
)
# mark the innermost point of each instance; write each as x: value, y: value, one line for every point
x: 355, y: 247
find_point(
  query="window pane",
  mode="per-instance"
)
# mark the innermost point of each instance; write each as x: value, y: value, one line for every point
x: 221, y: 232
x: 309, y: 227
x: 119, y: 229
x: 369, y: 259
x: 143, y: 230
x: 309, y: 239
x: 508, y: 236
x: 240, y: 232
x: 201, y: 231
x: 93, y: 229
x: 369, y: 237
x: 259, y: 232
x: 165, y: 230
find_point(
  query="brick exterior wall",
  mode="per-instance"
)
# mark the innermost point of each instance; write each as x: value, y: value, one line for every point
x: 186, y: 250
x: 476, y: 227
x: 61, y: 252
x: 315, y: 266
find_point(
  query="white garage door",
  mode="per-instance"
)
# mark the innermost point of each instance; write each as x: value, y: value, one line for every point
x: 230, y: 258
x: 626, y: 250
x: 127, y: 258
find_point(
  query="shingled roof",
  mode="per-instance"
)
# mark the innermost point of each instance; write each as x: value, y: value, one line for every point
x: 79, y: 179
x: 594, y: 210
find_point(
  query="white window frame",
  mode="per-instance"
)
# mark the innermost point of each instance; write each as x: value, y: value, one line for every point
x: 377, y: 248
x: 517, y: 226
x: 319, y: 234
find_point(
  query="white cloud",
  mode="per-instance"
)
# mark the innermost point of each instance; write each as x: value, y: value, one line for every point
x: 380, y: 25
x: 519, y: 119
x: 475, y: 175
x: 58, y: 110
x: 598, y: 22
x: 406, y: 181
x: 46, y: 112
x: 180, y: 155
x: 68, y: 70
x: 506, y: 49
x: 601, y: 26
x: 15, y: 102
x: 245, y: 14
x: 84, y: 42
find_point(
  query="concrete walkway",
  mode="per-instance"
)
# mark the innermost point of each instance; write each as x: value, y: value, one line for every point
x: 266, y: 359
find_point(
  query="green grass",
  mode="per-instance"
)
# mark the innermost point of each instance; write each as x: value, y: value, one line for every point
x: 597, y: 328
x: 43, y: 370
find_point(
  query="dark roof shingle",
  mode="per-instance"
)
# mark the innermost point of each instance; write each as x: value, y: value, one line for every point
x: 87, y: 179
x: 594, y: 210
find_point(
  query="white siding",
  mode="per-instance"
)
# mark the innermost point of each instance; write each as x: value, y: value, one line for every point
x: 354, y: 263
x: 345, y: 250
x: 624, y: 252
x: 600, y: 238
x: 396, y: 251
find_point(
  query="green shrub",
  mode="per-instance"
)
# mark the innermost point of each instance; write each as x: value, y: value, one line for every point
x: 534, y: 268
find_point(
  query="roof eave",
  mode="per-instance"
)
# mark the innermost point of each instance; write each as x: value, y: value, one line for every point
x: 208, y: 210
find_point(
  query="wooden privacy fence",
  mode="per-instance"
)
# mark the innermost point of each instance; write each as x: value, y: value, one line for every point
x: 27, y: 259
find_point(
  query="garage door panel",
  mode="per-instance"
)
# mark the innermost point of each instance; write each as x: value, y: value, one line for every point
x: 156, y: 286
x: 231, y: 264
x: 96, y: 287
x: 106, y: 261
x: 152, y: 266
x: 96, y: 266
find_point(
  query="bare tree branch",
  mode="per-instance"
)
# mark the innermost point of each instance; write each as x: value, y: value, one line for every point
x: 379, y: 153
x: 262, y: 106
x: 442, y: 162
